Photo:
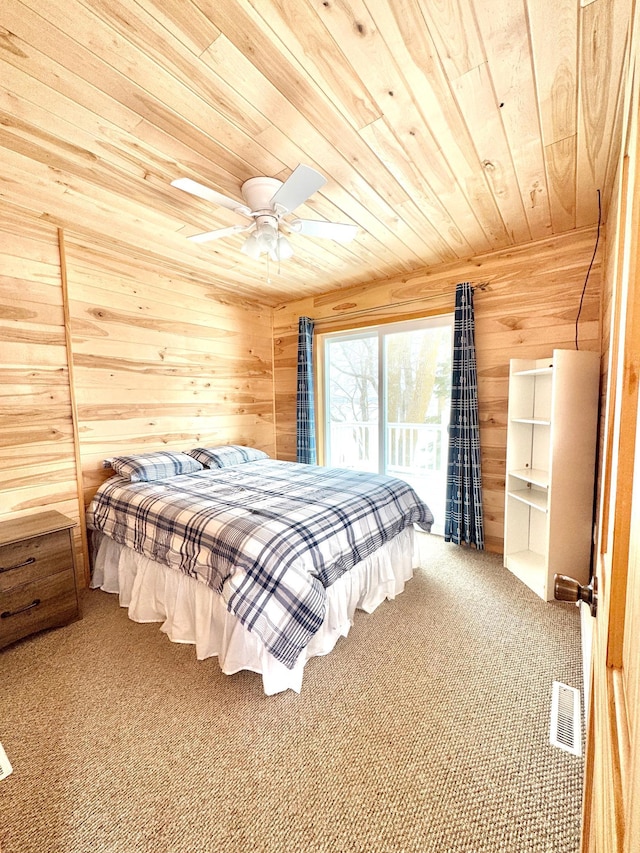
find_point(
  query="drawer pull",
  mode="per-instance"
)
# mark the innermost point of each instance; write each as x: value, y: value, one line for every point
x: 7, y: 613
x: 26, y: 562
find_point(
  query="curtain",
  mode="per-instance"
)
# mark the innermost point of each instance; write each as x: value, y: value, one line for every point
x: 305, y: 408
x: 463, y: 509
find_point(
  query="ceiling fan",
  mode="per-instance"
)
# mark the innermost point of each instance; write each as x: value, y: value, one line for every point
x: 267, y: 201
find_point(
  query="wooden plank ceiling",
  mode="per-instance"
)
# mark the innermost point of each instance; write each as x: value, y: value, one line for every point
x: 444, y: 128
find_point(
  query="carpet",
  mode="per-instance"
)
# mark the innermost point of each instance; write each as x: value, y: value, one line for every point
x: 426, y: 729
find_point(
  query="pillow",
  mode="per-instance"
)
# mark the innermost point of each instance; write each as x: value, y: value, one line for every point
x: 145, y: 467
x: 228, y: 454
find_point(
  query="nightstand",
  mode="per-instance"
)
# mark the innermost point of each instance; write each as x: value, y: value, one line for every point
x: 38, y: 587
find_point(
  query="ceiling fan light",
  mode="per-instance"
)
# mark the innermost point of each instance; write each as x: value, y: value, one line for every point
x: 251, y: 247
x: 267, y: 237
x: 283, y: 250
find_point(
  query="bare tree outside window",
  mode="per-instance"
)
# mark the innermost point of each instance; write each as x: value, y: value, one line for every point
x: 415, y: 363
x: 409, y: 413
x: 416, y: 395
x: 353, y: 386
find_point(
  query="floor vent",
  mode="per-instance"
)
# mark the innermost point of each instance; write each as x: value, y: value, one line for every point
x: 565, y: 729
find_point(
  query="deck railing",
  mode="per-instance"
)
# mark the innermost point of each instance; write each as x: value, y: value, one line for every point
x: 410, y: 447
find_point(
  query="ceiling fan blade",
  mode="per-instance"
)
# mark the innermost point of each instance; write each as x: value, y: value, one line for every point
x: 220, y: 232
x: 194, y: 188
x: 300, y: 184
x: 338, y: 231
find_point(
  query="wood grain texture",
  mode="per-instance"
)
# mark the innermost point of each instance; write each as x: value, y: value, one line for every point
x: 157, y: 361
x: 444, y: 129
x: 612, y: 780
x: 37, y: 466
x: 528, y: 309
x: 451, y: 133
x: 160, y: 363
x: 603, y: 40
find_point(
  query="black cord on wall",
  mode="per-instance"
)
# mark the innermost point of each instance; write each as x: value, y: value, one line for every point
x: 593, y: 257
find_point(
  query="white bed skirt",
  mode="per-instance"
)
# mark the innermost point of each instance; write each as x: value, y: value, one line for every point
x: 191, y: 612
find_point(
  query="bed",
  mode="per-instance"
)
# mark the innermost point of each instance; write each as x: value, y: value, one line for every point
x: 259, y: 562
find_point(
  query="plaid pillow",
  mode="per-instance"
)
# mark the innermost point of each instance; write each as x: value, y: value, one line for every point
x: 225, y: 455
x: 145, y: 467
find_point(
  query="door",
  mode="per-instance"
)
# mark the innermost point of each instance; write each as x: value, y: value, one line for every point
x: 611, y: 821
x: 386, y: 402
x: 611, y: 815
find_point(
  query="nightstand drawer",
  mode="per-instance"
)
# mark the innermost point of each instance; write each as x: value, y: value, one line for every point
x: 37, y: 575
x: 44, y: 603
x: 30, y: 559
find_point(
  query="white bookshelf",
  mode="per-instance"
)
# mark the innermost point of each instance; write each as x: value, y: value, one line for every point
x: 551, y: 452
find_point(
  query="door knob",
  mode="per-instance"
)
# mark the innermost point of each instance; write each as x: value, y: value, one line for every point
x: 568, y: 589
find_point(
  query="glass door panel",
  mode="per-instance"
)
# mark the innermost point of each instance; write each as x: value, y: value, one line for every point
x: 352, y: 406
x: 387, y: 402
x: 417, y: 382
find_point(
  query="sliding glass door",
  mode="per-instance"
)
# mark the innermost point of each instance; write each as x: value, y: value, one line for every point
x: 352, y: 401
x: 387, y: 400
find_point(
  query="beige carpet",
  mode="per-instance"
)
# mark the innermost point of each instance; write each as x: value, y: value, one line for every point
x: 425, y: 730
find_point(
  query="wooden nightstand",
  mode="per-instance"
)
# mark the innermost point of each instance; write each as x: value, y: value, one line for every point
x: 38, y: 587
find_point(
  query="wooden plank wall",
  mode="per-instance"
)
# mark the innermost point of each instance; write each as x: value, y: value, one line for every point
x: 162, y: 361
x: 528, y: 308
x: 37, y: 457
x: 158, y: 361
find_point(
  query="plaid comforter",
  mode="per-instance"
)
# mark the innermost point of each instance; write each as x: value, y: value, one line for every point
x: 268, y: 536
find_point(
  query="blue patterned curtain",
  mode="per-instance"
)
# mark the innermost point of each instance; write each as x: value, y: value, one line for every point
x: 463, y: 511
x: 305, y: 407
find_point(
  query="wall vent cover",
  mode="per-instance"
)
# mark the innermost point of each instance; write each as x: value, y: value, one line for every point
x: 565, y: 728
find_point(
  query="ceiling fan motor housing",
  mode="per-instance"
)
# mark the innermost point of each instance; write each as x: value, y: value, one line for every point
x: 258, y: 192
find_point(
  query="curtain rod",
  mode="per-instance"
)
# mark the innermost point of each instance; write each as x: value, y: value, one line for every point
x: 482, y: 286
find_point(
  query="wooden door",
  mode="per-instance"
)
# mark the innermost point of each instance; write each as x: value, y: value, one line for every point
x: 611, y: 816
x: 612, y: 781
